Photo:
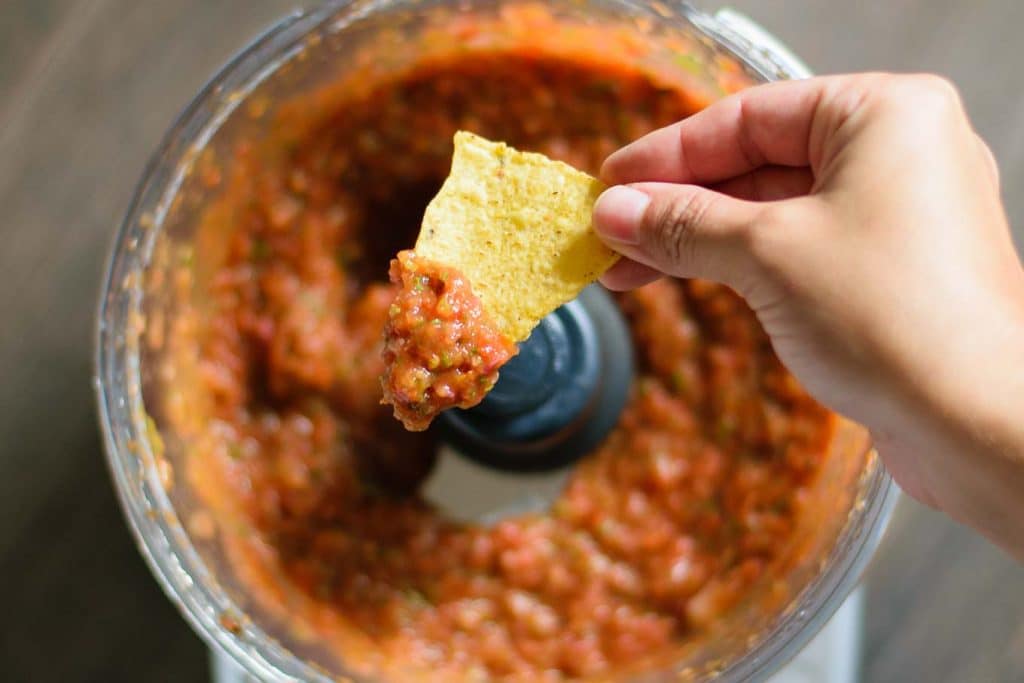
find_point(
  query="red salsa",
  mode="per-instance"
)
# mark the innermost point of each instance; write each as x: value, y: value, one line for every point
x: 441, y: 350
x: 317, y: 491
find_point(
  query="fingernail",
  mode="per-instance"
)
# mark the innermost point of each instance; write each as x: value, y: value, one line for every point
x: 618, y: 213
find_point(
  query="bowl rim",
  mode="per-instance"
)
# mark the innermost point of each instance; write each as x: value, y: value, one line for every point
x: 163, y: 543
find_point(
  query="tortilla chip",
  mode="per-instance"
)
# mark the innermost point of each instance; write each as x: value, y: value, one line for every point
x: 518, y: 226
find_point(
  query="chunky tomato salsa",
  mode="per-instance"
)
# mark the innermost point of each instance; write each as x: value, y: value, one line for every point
x: 316, y: 490
x: 441, y: 350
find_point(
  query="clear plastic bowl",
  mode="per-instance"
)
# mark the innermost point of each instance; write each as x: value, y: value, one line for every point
x: 137, y: 304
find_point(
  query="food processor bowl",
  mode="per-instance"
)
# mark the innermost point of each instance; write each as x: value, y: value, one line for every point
x: 145, y: 286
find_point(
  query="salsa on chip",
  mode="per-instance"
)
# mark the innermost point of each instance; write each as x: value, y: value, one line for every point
x: 506, y: 241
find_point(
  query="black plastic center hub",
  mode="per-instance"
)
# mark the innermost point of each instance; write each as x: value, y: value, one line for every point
x: 559, y: 397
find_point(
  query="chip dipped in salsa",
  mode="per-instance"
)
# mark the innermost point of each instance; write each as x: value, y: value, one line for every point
x: 688, y: 508
x: 441, y: 349
x: 520, y: 225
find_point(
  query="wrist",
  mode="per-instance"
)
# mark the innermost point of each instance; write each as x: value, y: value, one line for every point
x: 963, y: 433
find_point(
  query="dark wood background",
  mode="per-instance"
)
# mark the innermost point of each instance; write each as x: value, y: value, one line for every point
x: 87, y: 87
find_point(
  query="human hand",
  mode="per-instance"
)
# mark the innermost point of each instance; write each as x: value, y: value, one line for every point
x: 860, y: 217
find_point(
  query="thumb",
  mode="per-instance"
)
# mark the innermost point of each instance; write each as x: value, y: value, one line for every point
x: 679, y: 230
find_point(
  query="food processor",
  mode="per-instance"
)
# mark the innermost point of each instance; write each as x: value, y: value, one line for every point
x: 511, y: 454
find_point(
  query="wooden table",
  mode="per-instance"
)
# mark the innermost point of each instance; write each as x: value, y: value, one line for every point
x: 86, y: 89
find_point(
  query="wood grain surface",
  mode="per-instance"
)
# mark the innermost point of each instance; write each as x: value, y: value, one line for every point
x: 87, y: 87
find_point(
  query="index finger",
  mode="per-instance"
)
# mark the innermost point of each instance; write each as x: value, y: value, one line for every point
x: 769, y: 124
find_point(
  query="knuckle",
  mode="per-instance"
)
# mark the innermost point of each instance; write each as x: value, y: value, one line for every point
x: 677, y: 224
x: 989, y: 158
x: 940, y: 87
x: 929, y: 92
